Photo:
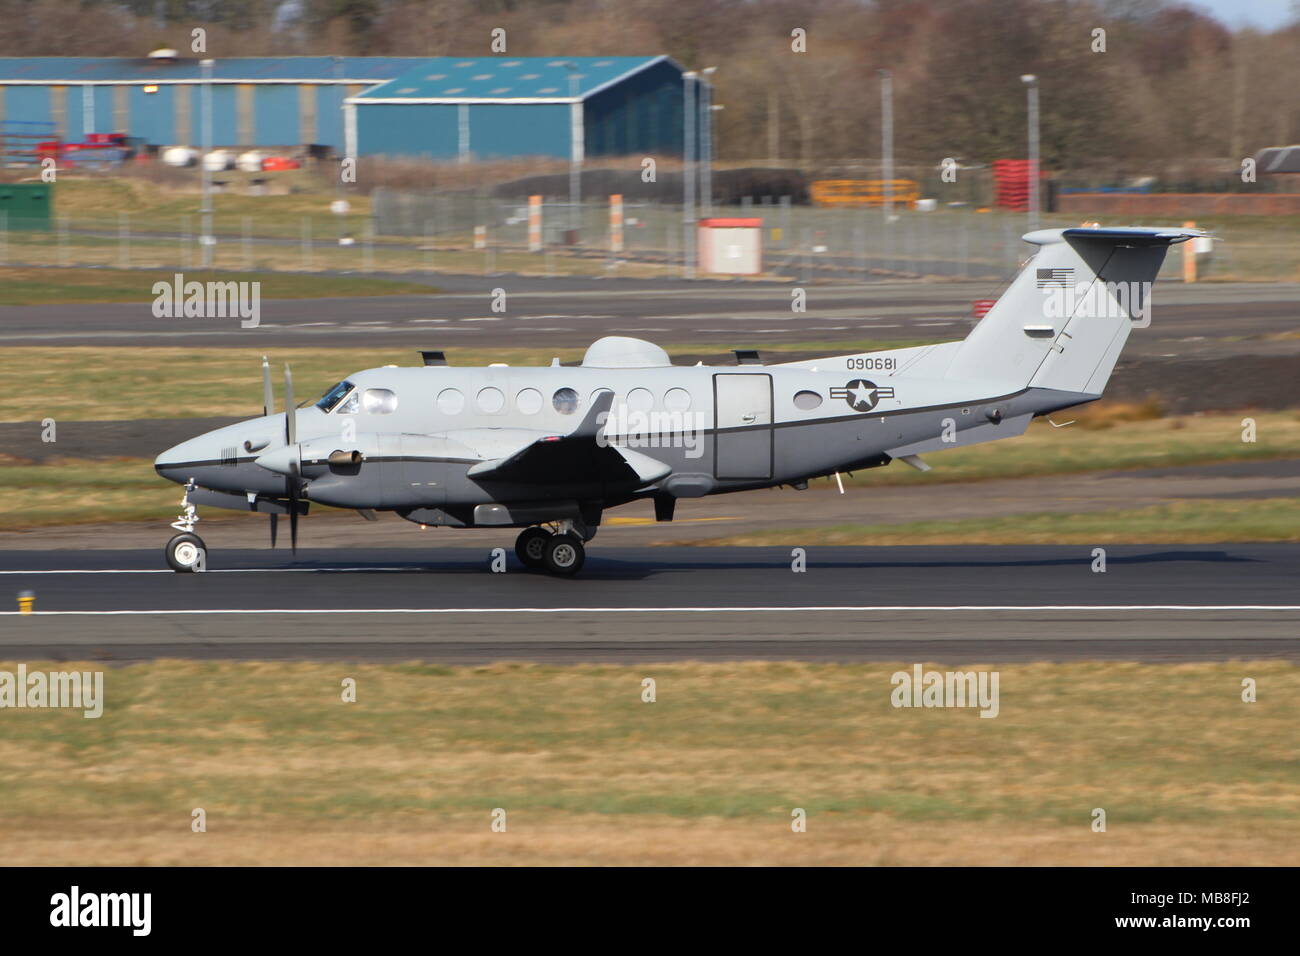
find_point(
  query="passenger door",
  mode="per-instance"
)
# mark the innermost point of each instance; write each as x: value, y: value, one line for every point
x: 742, y: 403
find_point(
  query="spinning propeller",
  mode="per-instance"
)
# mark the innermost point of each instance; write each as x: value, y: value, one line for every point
x: 293, y: 479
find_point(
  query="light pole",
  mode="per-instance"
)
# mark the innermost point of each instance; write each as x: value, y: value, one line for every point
x: 206, y: 239
x: 713, y: 109
x: 706, y: 111
x: 1031, y: 82
x: 575, y: 150
x: 690, y: 119
x: 887, y: 141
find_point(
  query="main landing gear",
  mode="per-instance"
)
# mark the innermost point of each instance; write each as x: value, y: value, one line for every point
x: 186, y: 551
x: 558, y: 553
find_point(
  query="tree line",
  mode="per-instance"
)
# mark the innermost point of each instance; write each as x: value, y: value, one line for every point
x: 1120, y: 80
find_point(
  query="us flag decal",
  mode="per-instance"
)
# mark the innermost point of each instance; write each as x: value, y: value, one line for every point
x: 1048, y: 278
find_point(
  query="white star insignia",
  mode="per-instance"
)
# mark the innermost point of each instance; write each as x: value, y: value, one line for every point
x: 863, y: 395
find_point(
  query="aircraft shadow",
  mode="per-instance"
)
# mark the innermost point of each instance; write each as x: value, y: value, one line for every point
x: 649, y: 562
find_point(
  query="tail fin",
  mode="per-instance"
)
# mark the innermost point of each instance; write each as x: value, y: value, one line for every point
x: 1067, y: 315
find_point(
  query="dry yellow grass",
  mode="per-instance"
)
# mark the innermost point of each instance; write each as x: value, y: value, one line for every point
x: 1185, y: 521
x: 591, y: 840
x: 709, y: 773
x: 1104, y: 414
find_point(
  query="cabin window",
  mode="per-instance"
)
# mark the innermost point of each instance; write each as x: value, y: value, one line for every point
x: 379, y: 401
x: 807, y: 400
x: 677, y: 400
x: 639, y: 400
x: 529, y: 401
x: 451, y: 401
x: 333, y: 396
x: 490, y: 400
x: 565, y: 401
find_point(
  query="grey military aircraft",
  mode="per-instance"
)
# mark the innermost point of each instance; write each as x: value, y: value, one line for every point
x: 550, y: 449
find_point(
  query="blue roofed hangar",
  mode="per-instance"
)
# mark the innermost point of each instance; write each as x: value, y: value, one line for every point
x: 450, y: 108
x: 441, y: 108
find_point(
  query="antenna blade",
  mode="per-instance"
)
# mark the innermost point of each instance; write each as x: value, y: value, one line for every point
x: 268, y: 396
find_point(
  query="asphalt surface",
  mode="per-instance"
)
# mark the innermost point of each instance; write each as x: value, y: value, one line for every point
x: 1201, y: 320
x: 953, y: 604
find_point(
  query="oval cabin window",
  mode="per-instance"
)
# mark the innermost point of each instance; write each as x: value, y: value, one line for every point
x: 677, y: 400
x: 565, y: 401
x: 491, y: 400
x: 451, y: 401
x: 529, y: 401
x: 807, y: 400
x: 640, y: 400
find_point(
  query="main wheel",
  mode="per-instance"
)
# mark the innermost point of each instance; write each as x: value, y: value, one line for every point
x: 183, y: 552
x: 530, y: 546
x: 564, y: 554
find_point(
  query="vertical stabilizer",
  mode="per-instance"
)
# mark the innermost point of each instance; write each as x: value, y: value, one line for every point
x: 1067, y: 315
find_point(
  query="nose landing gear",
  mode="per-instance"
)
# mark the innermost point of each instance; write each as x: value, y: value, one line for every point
x: 186, y: 552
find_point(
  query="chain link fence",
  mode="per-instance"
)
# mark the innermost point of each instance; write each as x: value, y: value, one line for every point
x: 405, y: 232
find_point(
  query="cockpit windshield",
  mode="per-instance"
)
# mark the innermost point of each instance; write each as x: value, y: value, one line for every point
x: 333, y: 396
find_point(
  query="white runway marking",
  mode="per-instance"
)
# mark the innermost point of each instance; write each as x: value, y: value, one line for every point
x: 680, y: 610
x: 213, y: 570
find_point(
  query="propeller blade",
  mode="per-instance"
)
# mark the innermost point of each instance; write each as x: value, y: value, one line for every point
x: 290, y: 419
x: 274, y: 525
x: 268, y: 396
x: 292, y: 483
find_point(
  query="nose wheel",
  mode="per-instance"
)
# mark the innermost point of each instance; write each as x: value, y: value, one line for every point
x: 186, y: 551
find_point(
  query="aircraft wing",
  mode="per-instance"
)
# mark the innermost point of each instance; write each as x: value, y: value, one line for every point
x: 578, y: 457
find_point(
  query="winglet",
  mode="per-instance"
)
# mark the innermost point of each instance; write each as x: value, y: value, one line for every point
x: 594, y: 422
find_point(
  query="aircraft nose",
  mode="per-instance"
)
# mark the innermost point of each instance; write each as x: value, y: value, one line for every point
x: 177, y: 463
x: 167, y: 464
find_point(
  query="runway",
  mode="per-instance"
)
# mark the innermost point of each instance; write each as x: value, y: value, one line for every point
x: 1188, y: 321
x: 955, y: 605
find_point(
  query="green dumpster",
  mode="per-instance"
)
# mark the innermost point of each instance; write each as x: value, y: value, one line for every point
x: 26, y: 205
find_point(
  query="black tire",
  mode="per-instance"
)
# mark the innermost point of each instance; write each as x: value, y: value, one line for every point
x: 530, y: 547
x: 564, y: 554
x: 183, y: 552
